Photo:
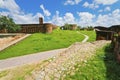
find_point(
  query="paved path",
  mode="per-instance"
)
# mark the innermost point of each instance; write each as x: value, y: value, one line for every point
x: 18, y: 61
x: 86, y: 37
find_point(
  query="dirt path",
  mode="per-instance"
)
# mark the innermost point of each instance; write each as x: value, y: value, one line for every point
x: 18, y: 61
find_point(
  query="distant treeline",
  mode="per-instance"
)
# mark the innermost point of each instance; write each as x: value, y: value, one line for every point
x: 75, y: 27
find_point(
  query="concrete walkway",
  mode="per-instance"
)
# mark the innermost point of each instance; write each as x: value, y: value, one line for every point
x: 86, y: 37
x: 21, y: 60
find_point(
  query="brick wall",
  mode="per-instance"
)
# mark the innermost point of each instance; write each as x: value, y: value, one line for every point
x: 31, y: 28
x: 34, y: 28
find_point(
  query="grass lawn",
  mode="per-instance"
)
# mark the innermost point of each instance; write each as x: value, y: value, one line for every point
x: 102, y: 66
x: 39, y: 42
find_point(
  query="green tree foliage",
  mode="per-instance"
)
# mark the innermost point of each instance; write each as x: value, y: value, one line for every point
x: 66, y: 26
x: 8, y: 24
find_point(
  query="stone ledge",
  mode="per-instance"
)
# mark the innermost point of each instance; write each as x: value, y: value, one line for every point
x: 14, y: 42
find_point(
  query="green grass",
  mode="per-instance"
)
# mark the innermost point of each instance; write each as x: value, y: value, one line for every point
x: 102, y: 66
x: 39, y: 42
x: 3, y: 73
x: 91, y: 34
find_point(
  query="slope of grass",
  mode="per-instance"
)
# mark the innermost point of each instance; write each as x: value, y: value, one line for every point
x: 18, y: 73
x: 91, y: 34
x: 102, y: 66
x: 39, y: 42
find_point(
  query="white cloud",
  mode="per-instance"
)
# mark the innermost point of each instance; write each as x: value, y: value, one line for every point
x: 61, y: 20
x: 72, y: 2
x: 9, y: 5
x: 86, y: 18
x: 86, y: 4
x: 92, y: 5
x: 17, y: 14
x: 46, y: 12
x: 69, y: 18
x: 95, y: 4
x: 27, y: 18
x: 109, y: 19
x: 105, y: 2
x: 102, y: 20
x: 116, y: 16
x: 106, y: 9
x: 4, y: 13
x: 57, y: 19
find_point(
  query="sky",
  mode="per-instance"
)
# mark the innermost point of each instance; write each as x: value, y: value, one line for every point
x: 59, y: 12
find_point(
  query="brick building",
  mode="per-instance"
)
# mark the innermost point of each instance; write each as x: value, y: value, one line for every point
x: 34, y: 28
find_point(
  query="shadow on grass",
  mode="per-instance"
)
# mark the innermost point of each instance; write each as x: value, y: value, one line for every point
x: 112, y: 67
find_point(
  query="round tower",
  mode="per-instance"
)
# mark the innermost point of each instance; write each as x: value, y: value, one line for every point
x: 48, y: 27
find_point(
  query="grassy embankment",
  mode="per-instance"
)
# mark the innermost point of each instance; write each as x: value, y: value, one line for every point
x: 39, y: 42
x: 25, y: 71
x: 102, y: 66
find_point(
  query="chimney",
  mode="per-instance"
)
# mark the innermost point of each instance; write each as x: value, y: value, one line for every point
x: 40, y: 20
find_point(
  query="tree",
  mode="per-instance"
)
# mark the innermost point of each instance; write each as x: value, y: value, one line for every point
x: 7, y: 24
x: 66, y: 26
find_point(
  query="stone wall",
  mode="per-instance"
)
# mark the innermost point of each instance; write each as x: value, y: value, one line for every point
x: 48, y: 27
x: 116, y: 45
x: 31, y: 28
x: 111, y: 33
x: 104, y: 35
x: 34, y: 28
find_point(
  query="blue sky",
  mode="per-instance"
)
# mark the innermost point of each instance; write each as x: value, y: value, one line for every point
x: 59, y: 12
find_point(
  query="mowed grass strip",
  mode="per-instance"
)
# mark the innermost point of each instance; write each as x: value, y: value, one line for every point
x: 102, y: 66
x: 39, y: 42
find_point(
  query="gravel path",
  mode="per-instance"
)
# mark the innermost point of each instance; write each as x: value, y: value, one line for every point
x: 64, y: 63
x: 18, y: 61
